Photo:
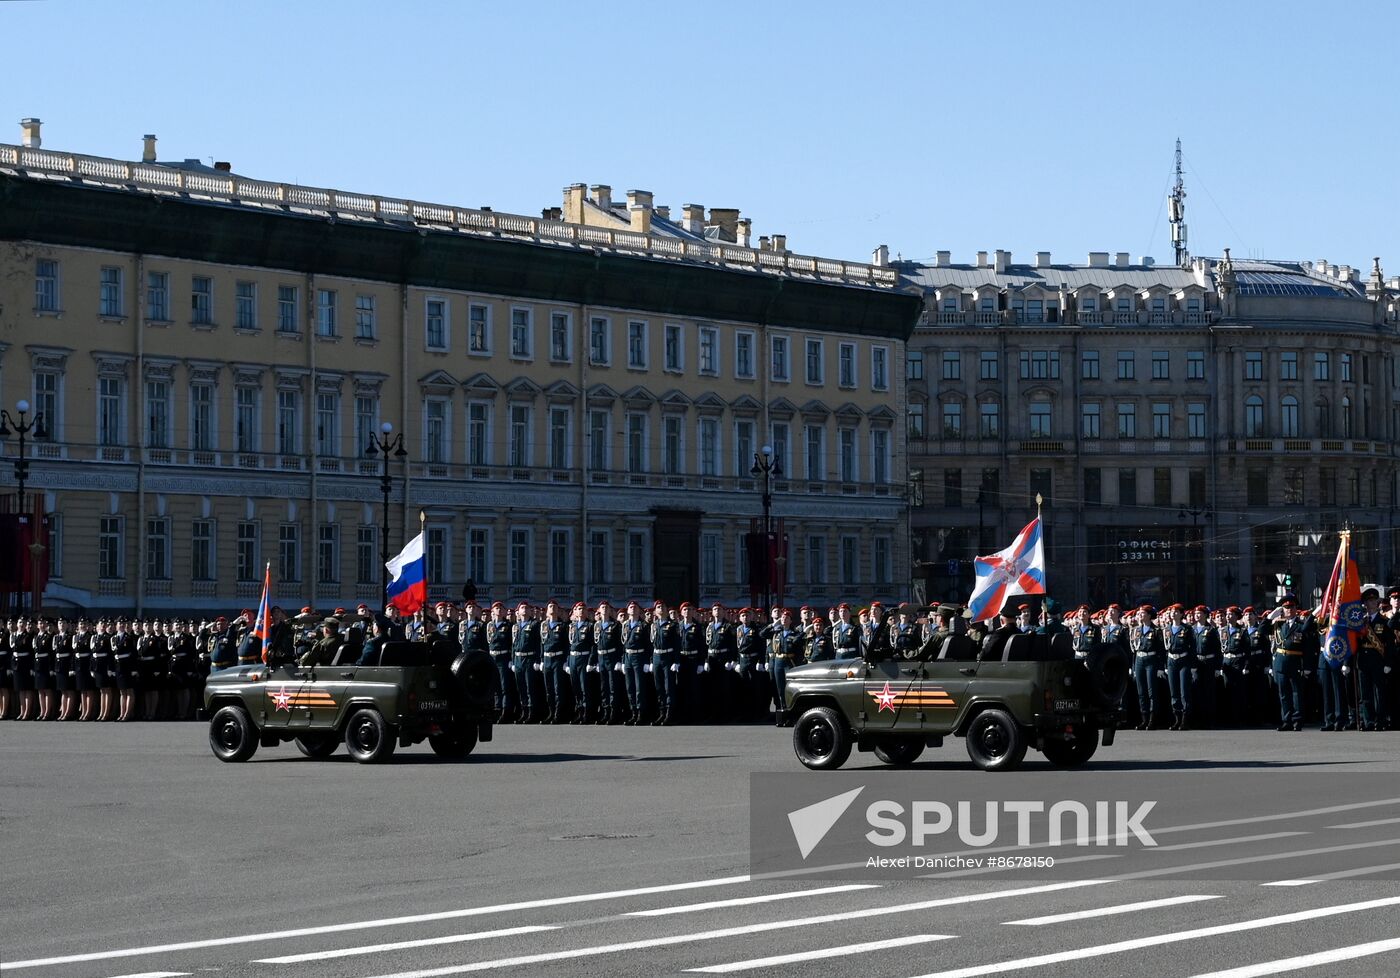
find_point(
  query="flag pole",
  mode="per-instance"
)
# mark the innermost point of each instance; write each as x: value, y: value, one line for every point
x: 1038, y: 500
x: 423, y: 532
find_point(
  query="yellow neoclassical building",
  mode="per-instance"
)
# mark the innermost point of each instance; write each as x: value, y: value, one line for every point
x: 580, y: 404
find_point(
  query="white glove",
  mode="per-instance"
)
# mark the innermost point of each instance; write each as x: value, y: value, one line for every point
x: 1386, y: 670
x: 539, y: 667
x: 568, y: 670
x: 647, y: 667
x: 618, y: 667
x: 1346, y: 670
x: 763, y: 667
x: 675, y: 667
x: 705, y: 667
x: 590, y: 668
x: 514, y: 667
x: 1161, y: 674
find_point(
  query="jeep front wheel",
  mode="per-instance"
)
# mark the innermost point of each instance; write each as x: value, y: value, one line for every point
x: 1071, y: 751
x: 899, y: 752
x: 318, y: 746
x: 821, y: 739
x: 231, y: 734
x: 368, y: 739
x: 995, y: 742
x: 455, y: 743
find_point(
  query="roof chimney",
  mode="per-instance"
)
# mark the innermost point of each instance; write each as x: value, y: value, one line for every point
x: 602, y: 196
x: 663, y: 212
x: 727, y: 220
x: 981, y: 259
x: 148, y: 148
x: 574, y: 196
x: 1121, y: 259
x: 1147, y: 261
x: 1042, y: 259
x: 552, y: 213
x: 223, y: 166
x: 766, y: 245
x: 1003, y: 259
x: 639, y: 210
x: 945, y: 258
x: 1098, y: 259
x: 693, y: 218
x: 881, y: 256
x: 29, y: 133
x: 745, y: 232
x: 779, y: 241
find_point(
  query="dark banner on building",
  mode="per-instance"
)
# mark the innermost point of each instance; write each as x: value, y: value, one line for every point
x: 24, y: 552
x: 768, y: 563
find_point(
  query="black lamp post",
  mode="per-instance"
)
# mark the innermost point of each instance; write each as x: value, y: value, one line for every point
x: 385, y: 444
x: 1196, y: 515
x: 768, y: 466
x: 22, y: 427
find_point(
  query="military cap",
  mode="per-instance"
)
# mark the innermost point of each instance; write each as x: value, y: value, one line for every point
x: 818, y: 620
x: 1370, y: 594
x: 1113, y: 607
x: 843, y: 606
x: 580, y: 606
x: 685, y: 605
x: 498, y: 604
x: 1023, y: 607
x: 1286, y: 602
x: 1201, y: 607
x: 1249, y: 609
x: 330, y: 622
x: 1148, y: 608
x: 805, y: 608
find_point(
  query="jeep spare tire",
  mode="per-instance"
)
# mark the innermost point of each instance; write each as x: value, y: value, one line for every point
x: 1108, y: 674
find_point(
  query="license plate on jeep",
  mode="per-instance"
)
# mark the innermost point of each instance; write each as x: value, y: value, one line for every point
x: 432, y: 706
x: 1066, y: 704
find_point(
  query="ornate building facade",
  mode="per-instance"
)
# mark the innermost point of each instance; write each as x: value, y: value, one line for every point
x: 580, y: 405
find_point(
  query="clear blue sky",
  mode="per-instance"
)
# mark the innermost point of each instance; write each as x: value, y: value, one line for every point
x: 924, y: 126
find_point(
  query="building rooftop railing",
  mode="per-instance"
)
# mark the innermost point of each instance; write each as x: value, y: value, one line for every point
x: 232, y: 189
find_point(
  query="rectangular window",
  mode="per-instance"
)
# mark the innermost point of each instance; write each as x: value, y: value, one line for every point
x: 366, y: 426
x: 1161, y: 487
x: 1093, y: 486
x: 1127, y: 365
x: 245, y: 305
x: 1040, y: 365
x: 1161, y: 420
x: 365, y: 572
x: 435, y: 554
x: 328, y: 554
x: 287, y: 313
x: 989, y: 365
x: 1127, y: 420
x: 599, y: 341
x: 638, y: 569
x: 1195, y: 421
x: 1327, y: 485
x: 671, y: 450
x: 780, y: 443
x: 780, y: 358
x: 1127, y: 487
x: 1161, y: 365
x: 989, y: 419
x: 478, y: 328
x: 1089, y: 420
x: 850, y: 560
x: 879, y: 456
x: 478, y: 554
x: 435, y: 324
x: 1293, y: 486
x: 246, y: 548
x: 478, y: 433
x: 674, y: 359
x: 880, y: 559
x: 201, y: 300
x: 1354, y: 487
x: 636, y: 443
x: 1040, y: 419
x: 325, y: 312
x: 289, y: 553
x: 914, y: 364
x: 816, y: 560
x: 743, y: 355
x: 952, y: 488
x: 245, y: 419
x: 1257, y: 487
x: 158, y: 549
x: 1196, y: 488
x: 288, y: 422
x: 916, y: 419
x: 109, y: 301
x: 560, y: 455
x: 520, y: 435
x: 366, y: 317
x: 1322, y: 366
x: 1089, y: 365
x: 850, y: 470
x: 1346, y: 367
x: 709, y: 558
x: 846, y: 366
x: 46, y: 285
x: 637, y: 344
x: 1253, y: 365
x: 598, y: 564
x: 202, y: 431
x: 560, y: 342
x: 521, y: 564
x: 709, y: 446
x: 816, y: 453
x: 1288, y: 366
x: 110, y: 549
x: 110, y: 398
x: 709, y: 351
x: 879, y: 368
x: 1195, y: 365
x: 816, y: 363
x: 158, y: 297
x: 559, y: 557
x: 435, y: 431
x: 1041, y: 482
x: 599, y: 441
x: 952, y: 419
x: 743, y: 448
x: 521, y: 333
x: 327, y: 424
x: 48, y: 403
x: 952, y: 365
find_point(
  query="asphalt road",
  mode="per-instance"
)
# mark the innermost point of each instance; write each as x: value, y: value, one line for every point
x: 563, y: 851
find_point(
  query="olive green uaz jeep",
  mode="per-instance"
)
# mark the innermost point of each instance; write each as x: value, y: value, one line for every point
x: 414, y: 691
x: 1036, y: 694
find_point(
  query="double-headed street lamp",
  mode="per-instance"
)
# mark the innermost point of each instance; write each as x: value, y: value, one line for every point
x: 767, y: 465
x: 385, y: 444
x: 1196, y: 516
x: 23, y: 427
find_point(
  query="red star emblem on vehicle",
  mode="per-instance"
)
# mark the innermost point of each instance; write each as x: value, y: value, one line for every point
x: 283, y: 699
x: 884, y: 699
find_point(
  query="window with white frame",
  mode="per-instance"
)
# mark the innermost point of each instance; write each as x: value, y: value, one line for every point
x: 781, y: 445
x: 1090, y: 420
x: 598, y: 563
x: 914, y: 364
x: 202, y: 430
x: 743, y: 355
x: 521, y: 562
x: 109, y: 300
x: 880, y: 559
x: 879, y: 368
x: 328, y: 554
x: 709, y: 351
x: 778, y: 351
x: 849, y: 454
x: 1040, y: 419
x: 816, y: 362
x: 46, y: 297
x: 880, y: 456
x: 599, y: 341
x: 709, y: 446
x: 637, y: 344
x: 816, y: 452
x: 638, y: 567
x: 599, y: 440
x: 560, y: 342
x: 48, y: 401
x: 202, y: 550
x: 245, y: 418
x: 709, y: 558
x: 111, y: 398
x: 366, y: 317
x: 365, y: 572
x: 435, y: 324
x: 287, y: 314
x: 478, y: 328
x: 325, y: 312
x: 816, y: 559
x: 202, y: 300
x: 743, y: 448
x: 989, y: 419
x: 846, y: 365
x: 158, y: 549
x: 988, y: 365
x: 952, y: 365
x: 916, y: 419
x: 636, y: 443
x: 479, y: 554
x: 366, y: 423
x: 672, y: 446
x: 245, y: 305
x: 520, y: 418
x: 435, y: 555
x: 289, y: 553
x: 522, y: 341
x: 110, y: 549
x: 327, y: 423
x: 560, y: 438
x: 478, y: 433
x: 742, y: 560
x: 675, y: 348
x: 560, y: 557
x: 158, y: 297
x: 288, y: 422
x: 1195, y: 420
x: 435, y: 448
x: 246, y: 551
x: 850, y: 560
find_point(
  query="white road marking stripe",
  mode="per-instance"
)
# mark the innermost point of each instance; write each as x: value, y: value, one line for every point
x: 826, y: 952
x: 747, y: 901
x: 158, y: 974
x: 1307, y: 960
x: 1366, y: 825
x: 1061, y: 918
x: 1290, y: 883
x: 1342, y: 874
x: 132, y: 952
x: 711, y: 935
x: 1270, y: 857
x: 346, y: 952
x: 1228, y: 842
x: 1156, y: 940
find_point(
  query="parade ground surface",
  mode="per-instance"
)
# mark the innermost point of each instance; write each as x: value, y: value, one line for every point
x: 562, y: 851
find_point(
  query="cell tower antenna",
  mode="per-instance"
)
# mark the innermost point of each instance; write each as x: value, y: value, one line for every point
x: 1176, y: 208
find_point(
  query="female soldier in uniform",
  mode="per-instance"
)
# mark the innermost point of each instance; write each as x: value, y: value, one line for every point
x: 64, y: 668
x: 22, y: 662
x: 104, y: 670
x: 42, y: 637
x: 150, y: 658
x: 7, y: 675
x: 183, y: 669
x: 82, y: 671
x: 124, y: 657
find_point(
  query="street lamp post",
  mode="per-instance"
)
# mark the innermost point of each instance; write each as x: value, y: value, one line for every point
x: 385, y: 444
x: 765, y: 464
x: 1197, y: 515
x: 22, y: 427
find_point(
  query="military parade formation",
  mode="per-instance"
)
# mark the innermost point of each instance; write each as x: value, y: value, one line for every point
x: 648, y: 663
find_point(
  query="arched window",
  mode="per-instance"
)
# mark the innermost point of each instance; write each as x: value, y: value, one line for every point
x: 1346, y: 417
x: 1253, y: 416
x: 1323, y: 411
x: 1289, y: 416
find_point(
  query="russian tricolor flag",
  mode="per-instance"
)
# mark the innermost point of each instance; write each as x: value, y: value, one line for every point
x: 408, y: 582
